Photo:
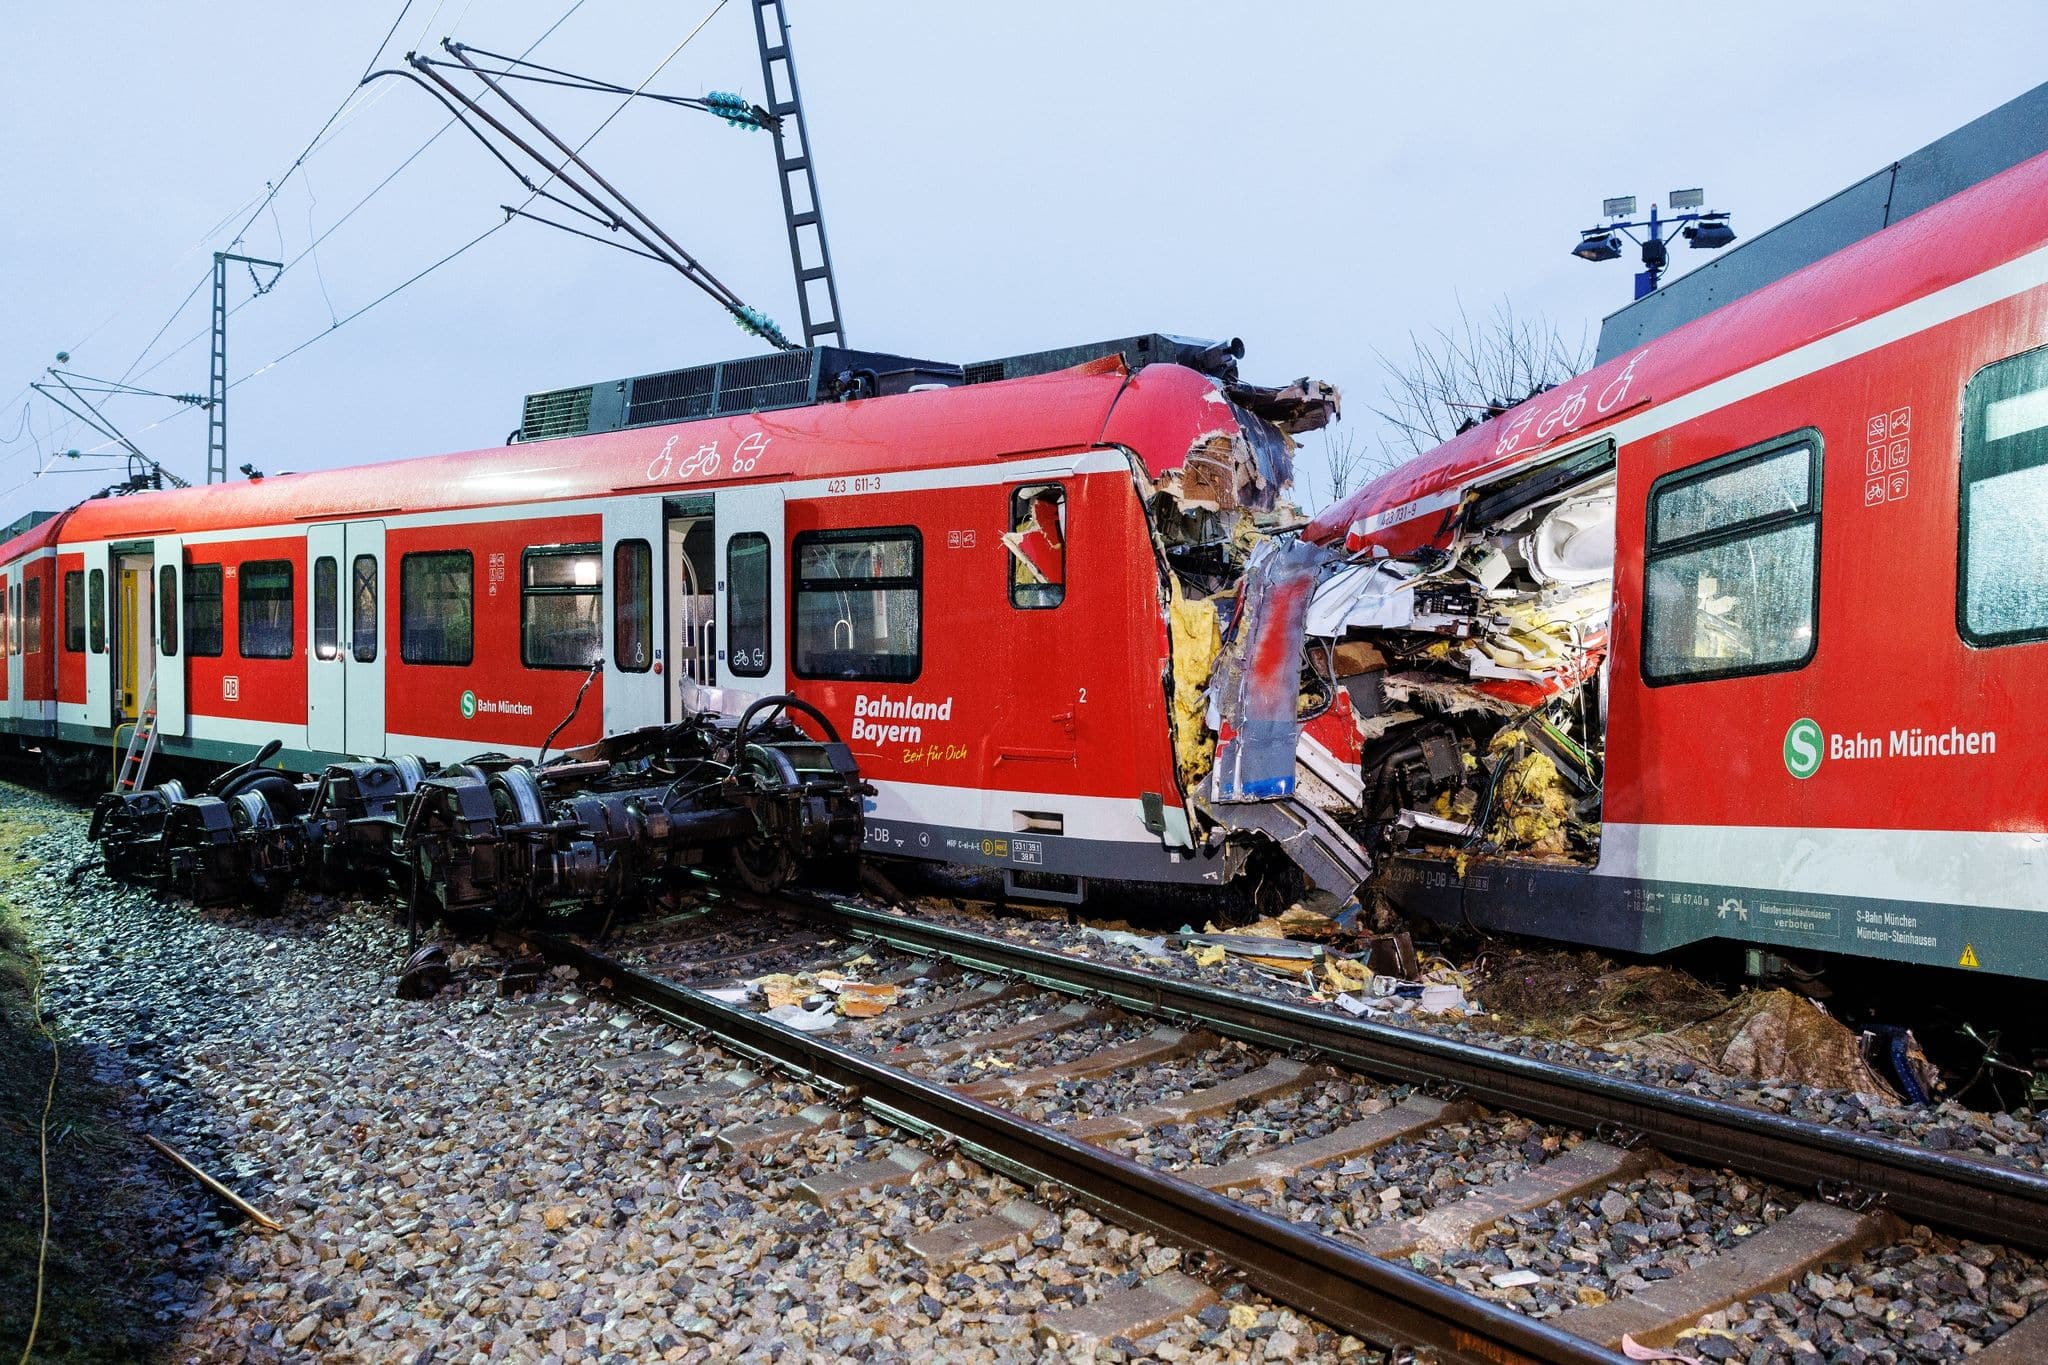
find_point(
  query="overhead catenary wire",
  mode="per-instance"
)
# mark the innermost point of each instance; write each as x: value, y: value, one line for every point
x: 311, y: 250
x: 313, y: 246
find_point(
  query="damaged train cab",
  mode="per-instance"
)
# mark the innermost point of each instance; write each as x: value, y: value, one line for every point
x: 1738, y: 636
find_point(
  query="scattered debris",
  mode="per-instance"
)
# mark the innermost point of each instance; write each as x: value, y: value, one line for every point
x: 426, y: 973
x: 731, y: 995
x: 471, y: 1048
x: 1772, y: 1035
x: 521, y: 974
x: 780, y: 989
x: 1151, y: 947
x: 863, y: 1000
x: 808, y: 1021
x: 1514, y: 1279
x: 220, y: 1191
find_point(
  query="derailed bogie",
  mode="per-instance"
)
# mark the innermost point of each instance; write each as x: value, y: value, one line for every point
x: 597, y: 826
x: 499, y: 840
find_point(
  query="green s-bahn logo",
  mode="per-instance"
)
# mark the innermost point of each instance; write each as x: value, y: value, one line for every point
x: 1804, y: 745
x: 469, y: 706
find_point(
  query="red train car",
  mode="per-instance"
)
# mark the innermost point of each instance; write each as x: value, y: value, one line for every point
x: 1740, y: 635
x: 971, y: 579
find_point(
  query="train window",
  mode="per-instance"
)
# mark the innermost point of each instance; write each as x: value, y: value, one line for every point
x: 559, y: 626
x: 326, y: 608
x: 858, y: 605
x: 2003, y: 581
x: 96, y: 609
x: 1037, y: 541
x: 363, y: 609
x: 1731, y: 583
x: 633, y: 605
x: 434, y: 595
x: 32, y: 615
x: 167, y: 610
x: 203, y: 632
x: 74, y: 612
x: 746, y: 604
x: 264, y: 615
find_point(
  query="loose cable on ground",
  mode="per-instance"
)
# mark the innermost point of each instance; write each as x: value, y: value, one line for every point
x: 35, y: 1004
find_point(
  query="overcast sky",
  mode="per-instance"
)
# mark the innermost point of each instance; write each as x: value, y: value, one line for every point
x: 1317, y: 179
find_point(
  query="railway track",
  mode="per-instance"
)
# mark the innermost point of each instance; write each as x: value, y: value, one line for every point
x: 1022, y: 1059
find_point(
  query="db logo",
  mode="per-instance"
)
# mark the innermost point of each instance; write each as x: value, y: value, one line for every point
x: 1804, y: 745
x: 469, y: 705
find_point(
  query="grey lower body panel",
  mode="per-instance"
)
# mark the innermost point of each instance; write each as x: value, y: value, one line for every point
x: 1058, y: 854
x: 1626, y: 914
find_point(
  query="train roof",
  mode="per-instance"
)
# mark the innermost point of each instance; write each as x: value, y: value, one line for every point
x: 1992, y: 222
x: 1063, y: 410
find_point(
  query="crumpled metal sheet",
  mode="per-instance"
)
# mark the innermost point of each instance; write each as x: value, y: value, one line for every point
x: 1305, y: 405
x: 1258, y: 683
x: 1246, y: 470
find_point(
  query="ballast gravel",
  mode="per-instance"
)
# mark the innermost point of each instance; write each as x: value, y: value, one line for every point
x: 2019, y: 1137
x: 477, y: 1178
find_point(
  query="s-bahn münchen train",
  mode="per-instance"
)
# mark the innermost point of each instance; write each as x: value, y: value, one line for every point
x: 1738, y: 636
x: 971, y: 581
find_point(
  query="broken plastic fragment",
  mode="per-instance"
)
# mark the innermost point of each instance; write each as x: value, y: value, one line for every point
x: 1151, y: 947
x: 808, y: 1021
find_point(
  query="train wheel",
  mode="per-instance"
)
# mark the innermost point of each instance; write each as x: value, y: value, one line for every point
x: 764, y: 865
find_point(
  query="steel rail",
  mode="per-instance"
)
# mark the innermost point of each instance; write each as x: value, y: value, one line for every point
x: 1973, y: 1196
x: 1381, y: 1301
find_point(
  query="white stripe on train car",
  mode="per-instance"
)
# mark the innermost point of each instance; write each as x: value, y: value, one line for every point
x: 1989, y: 869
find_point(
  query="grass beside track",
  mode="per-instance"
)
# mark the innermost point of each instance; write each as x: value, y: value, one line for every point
x: 98, y: 1246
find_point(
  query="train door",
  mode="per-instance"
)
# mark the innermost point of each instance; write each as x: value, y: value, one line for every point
x: 1043, y: 703
x: 692, y: 599
x: 345, y: 666
x: 134, y: 634
x: 169, y: 554
x: 99, y: 671
x: 10, y: 601
x: 634, y: 535
x: 752, y: 629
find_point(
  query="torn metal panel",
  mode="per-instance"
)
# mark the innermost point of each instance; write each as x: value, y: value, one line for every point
x: 1258, y: 689
x: 1305, y: 405
x: 1314, y: 842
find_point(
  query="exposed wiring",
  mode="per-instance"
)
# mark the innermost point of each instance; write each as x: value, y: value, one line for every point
x: 596, y: 666
x: 314, y: 245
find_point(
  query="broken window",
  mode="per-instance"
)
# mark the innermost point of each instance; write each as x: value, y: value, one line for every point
x: 2004, y: 580
x: 1732, y: 572
x: 1037, y: 542
x: 858, y: 605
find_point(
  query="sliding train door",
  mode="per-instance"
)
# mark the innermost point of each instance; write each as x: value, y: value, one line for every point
x: 99, y: 666
x: 168, y: 553
x: 753, y: 598
x: 345, y: 666
x: 634, y: 534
